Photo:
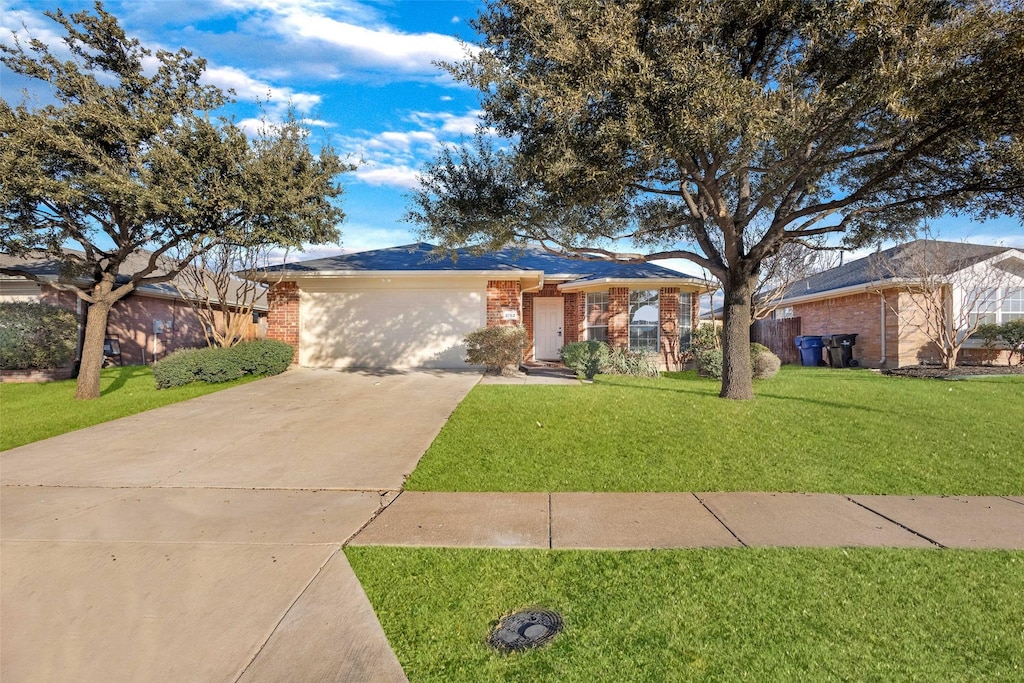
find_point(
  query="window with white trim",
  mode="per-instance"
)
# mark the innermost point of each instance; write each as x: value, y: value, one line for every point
x: 597, y: 316
x: 997, y: 305
x: 685, y: 320
x: 643, y: 320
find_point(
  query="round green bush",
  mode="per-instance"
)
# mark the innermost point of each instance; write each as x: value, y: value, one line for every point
x: 765, y: 364
x: 36, y: 336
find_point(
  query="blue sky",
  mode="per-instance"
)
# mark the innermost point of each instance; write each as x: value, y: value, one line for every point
x: 361, y: 73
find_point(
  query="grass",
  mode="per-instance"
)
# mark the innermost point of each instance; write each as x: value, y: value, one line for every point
x: 682, y: 615
x: 31, y: 412
x: 809, y: 429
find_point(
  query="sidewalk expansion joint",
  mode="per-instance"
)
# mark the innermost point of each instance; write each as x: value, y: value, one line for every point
x: 380, y: 508
x: 550, y: 524
x: 897, y: 523
x: 1018, y: 502
x: 284, y: 614
x: 720, y: 521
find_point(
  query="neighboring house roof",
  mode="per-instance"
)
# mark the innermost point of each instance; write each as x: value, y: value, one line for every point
x: 891, y: 265
x: 48, y: 268
x: 423, y: 258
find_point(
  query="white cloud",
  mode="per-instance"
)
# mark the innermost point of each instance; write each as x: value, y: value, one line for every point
x: 249, y: 88
x: 452, y: 124
x: 400, y: 175
x: 402, y: 141
x: 354, y: 30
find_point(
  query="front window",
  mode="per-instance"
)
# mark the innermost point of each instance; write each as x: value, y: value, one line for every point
x: 597, y: 316
x: 685, y: 320
x: 643, y: 320
x: 996, y: 305
x: 1013, y: 305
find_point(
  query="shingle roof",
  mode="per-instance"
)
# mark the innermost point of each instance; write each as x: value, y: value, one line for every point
x: 422, y: 257
x: 944, y: 258
x: 49, y: 268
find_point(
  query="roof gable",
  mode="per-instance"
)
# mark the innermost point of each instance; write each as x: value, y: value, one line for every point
x: 943, y: 258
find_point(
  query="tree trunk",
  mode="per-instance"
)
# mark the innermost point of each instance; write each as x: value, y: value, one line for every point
x: 737, y: 373
x: 92, y: 351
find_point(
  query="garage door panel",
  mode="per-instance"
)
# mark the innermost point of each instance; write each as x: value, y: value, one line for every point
x: 388, y: 328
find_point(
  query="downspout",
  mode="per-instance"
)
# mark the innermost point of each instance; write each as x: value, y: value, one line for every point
x: 881, y: 300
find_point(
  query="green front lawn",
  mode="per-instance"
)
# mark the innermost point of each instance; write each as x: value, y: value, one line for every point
x: 810, y: 429
x: 759, y: 615
x: 31, y: 412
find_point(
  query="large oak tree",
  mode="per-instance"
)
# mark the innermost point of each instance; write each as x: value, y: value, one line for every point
x: 718, y: 131
x: 127, y: 159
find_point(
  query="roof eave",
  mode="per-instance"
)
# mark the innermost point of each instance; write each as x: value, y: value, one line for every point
x: 696, y: 283
x: 292, y: 275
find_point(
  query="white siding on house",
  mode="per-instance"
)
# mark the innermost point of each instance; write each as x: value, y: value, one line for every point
x: 389, y: 322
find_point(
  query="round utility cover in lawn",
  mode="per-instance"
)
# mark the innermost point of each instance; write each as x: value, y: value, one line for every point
x: 525, y: 629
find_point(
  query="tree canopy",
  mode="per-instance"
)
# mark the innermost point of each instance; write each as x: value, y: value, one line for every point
x: 719, y: 131
x: 127, y: 158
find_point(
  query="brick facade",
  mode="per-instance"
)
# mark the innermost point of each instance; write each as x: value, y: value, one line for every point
x: 283, y: 318
x: 905, y: 342
x: 131, y: 321
x: 668, y: 319
x: 503, y: 296
x: 618, y: 317
x: 572, y: 315
x: 859, y: 314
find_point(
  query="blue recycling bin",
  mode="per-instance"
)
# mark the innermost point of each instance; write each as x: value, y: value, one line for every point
x: 810, y: 350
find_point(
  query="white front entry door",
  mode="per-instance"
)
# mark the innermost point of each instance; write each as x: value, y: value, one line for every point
x: 547, y: 327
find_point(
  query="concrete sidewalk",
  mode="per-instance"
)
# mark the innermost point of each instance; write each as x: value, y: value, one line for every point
x: 695, y: 520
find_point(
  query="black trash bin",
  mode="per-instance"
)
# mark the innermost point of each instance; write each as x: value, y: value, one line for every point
x: 839, y: 349
x: 810, y: 350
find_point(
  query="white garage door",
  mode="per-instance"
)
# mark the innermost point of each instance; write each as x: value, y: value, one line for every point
x: 377, y: 325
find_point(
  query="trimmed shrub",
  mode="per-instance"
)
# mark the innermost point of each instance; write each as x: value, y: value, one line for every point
x: 709, y: 362
x: 706, y: 337
x: 585, y: 358
x: 633, y: 363
x: 264, y: 357
x: 35, y: 336
x: 500, y: 349
x: 764, y: 363
x: 213, y: 365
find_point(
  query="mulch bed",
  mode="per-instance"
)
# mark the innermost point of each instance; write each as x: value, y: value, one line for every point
x: 958, y: 372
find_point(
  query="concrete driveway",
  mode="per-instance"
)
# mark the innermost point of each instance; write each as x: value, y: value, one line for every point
x: 202, y: 541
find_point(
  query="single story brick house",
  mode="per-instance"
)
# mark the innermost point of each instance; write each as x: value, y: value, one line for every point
x: 869, y: 297
x: 406, y: 306
x: 149, y: 323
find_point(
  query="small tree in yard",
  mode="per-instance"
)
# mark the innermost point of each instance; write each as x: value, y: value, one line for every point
x: 720, y: 131
x: 1012, y: 333
x: 129, y: 162
x: 944, y: 289
x: 279, y: 168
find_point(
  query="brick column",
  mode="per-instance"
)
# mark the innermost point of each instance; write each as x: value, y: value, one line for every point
x: 668, y: 325
x: 503, y: 295
x: 283, y: 316
x: 574, y: 314
x: 618, y: 317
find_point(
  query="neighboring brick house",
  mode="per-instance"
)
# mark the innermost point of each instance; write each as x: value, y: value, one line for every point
x: 148, y: 323
x: 870, y: 297
x: 406, y: 307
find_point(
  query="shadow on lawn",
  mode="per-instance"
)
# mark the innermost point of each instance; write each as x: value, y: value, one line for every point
x: 122, y: 375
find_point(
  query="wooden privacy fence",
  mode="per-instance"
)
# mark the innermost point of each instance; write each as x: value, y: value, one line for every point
x: 779, y: 336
